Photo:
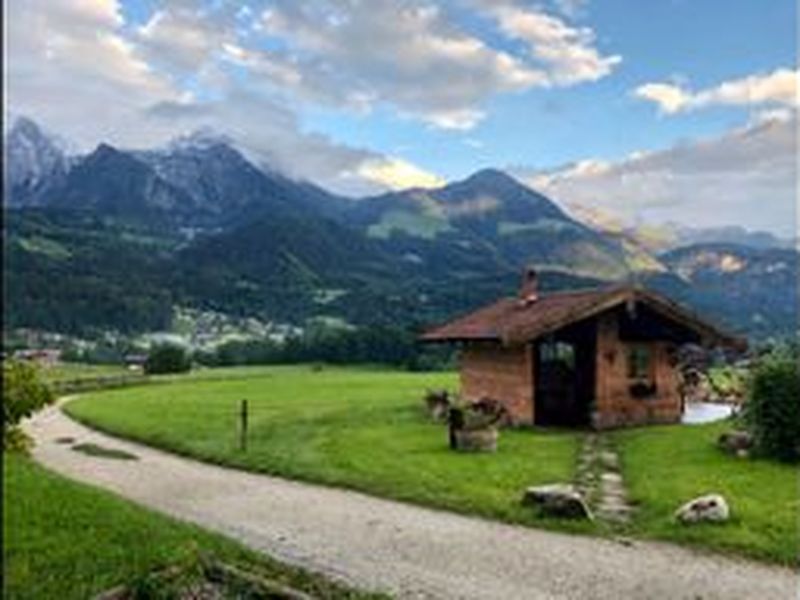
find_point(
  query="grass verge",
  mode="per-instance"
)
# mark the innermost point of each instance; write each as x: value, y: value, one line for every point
x: 365, y: 429
x: 668, y: 465
x: 67, y: 540
x: 362, y: 429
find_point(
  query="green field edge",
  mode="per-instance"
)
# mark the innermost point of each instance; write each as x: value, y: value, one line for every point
x: 597, y: 529
x: 569, y: 527
x: 225, y: 547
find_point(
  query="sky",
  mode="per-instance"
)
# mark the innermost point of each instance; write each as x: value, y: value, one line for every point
x: 622, y: 111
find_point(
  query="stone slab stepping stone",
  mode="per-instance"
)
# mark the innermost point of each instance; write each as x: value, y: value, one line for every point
x: 558, y: 500
x: 611, y: 478
x: 600, y: 481
x: 609, y: 460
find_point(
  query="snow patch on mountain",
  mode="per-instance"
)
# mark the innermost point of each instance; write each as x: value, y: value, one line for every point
x: 36, y: 163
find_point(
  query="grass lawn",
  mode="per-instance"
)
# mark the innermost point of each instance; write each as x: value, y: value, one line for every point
x: 665, y: 466
x: 84, y: 371
x: 365, y: 429
x: 66, y: 540
x: 75, y: 371
x: 357, y: 428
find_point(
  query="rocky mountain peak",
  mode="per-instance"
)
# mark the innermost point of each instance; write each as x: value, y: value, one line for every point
x: 200, y: 139
x: 35, y: 163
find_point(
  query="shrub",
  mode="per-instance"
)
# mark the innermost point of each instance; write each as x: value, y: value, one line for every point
x: 24, y: 393
x: 772, y: 411
x: 167, y: 358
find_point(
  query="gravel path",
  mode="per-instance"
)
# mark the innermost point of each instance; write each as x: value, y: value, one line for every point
x: 407, y: 551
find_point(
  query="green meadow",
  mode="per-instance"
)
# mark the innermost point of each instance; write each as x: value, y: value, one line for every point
x: 66, y: 540
x: 365, y: 429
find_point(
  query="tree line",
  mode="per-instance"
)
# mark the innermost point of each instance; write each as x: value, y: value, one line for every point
x: 336, y: 345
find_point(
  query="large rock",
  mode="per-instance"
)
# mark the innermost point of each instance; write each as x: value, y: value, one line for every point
x: 557, y: 500
x: 710, y: 508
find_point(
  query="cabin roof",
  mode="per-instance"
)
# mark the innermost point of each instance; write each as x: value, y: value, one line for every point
x: 513, y: 320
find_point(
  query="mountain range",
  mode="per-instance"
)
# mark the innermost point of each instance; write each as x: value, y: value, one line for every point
x: 116, y: 239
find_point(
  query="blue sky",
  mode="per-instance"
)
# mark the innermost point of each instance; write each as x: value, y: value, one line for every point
x: 543, y: 128
x: 616, y: 108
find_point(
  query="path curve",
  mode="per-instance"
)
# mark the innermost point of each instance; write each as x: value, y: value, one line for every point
x: 407, y: 551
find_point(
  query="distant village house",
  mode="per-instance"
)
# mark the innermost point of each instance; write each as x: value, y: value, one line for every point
x: 601, y: 358
x: 46, y: 357
x: 135, y: 362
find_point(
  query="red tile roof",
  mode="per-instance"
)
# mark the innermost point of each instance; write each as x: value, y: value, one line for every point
x: 510, y: 320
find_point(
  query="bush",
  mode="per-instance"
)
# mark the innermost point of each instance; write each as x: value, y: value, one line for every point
x: 167, y: 358
x: 772, y: 411
x: 24, y: 393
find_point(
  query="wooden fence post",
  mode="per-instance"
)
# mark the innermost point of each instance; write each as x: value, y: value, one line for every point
x: 243, y: 426
x: 455, y: 420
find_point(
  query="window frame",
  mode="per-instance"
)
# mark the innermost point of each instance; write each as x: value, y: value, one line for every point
x: 640, y: 369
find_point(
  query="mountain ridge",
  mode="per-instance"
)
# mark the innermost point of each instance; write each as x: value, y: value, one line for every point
x: 195, y: 223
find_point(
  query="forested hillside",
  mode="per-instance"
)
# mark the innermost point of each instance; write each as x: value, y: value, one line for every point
x: 118, y: 240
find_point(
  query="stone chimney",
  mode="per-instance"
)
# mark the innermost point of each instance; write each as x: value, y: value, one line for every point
x: 529, y: 290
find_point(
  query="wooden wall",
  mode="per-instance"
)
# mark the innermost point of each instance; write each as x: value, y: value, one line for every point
x: 614, y: 404
x: 491, y: 370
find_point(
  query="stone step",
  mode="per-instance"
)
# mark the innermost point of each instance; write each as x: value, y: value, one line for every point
x: 606, y: 487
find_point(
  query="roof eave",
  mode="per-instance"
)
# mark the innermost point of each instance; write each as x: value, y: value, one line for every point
x: 452, y: 339
x: 709, y: 333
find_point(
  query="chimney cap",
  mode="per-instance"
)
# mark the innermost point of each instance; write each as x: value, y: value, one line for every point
x: 529, y: 291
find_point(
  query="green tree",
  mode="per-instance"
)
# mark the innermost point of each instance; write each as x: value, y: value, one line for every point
x: 772, y: 411
x: 167, y: 358
x: 24, y: 393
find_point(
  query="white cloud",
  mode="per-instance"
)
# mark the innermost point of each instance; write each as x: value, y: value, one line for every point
x: 416, y: 57
x: 571, y: 8
x: 126, y: 86
x: 279, y: 143
x: 70, y: 66
x: 774, y: 114
x: 745, y: 177
x: 182, y: 39
x: 411, y: 56
x: 777, y: 88
x: 78, y: 67
x: 670, y: 98
x: 567, y: 52
x: 398, y: 174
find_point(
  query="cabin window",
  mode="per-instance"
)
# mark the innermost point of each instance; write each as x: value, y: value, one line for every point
x: 561, y: 352
x: 640, y: 363
x: 640, y: 372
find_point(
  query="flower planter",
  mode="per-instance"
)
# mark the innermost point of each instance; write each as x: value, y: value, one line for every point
x: 476, y: 440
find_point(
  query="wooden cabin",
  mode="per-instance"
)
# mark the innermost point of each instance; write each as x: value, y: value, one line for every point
x: 600, y: 358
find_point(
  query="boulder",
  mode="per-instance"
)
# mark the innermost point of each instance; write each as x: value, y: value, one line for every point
x: 735, y: 441
x: 710, y: 508
x: 557, y: 500
x: 609, y: 460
